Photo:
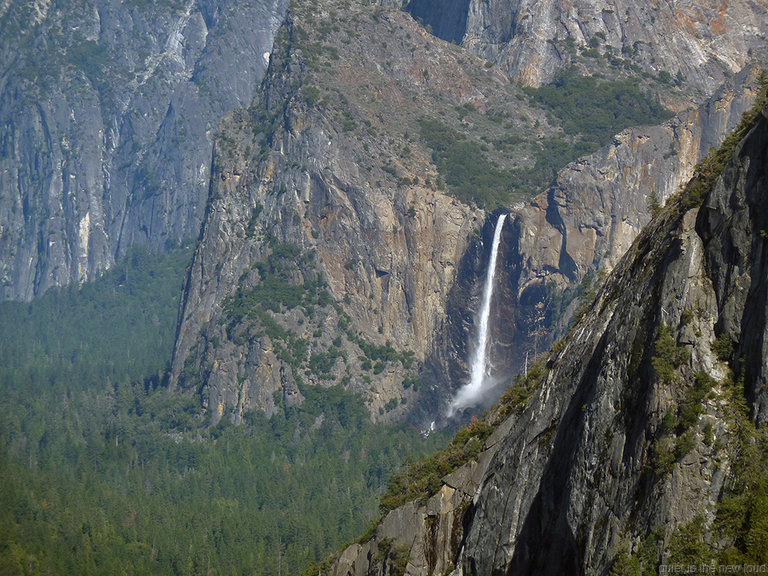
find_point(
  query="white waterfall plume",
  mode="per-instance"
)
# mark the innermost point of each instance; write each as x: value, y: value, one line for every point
x: 472, y: 393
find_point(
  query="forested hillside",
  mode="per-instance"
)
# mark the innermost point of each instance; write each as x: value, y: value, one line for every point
x: 239, y: 404
x: 102, y: 471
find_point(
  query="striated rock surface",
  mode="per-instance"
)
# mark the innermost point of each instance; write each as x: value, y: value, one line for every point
x: 734, y: 226
x: 107, y: 114
x: 702, y: 43
x: 608, y: 445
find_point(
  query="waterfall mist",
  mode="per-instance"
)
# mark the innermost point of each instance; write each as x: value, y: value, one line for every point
x: 480, y: 382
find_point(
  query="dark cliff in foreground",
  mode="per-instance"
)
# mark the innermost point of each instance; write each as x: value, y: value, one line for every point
x: 634, y: 442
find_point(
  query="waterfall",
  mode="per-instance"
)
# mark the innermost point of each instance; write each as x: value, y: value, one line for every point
x: 472, y: 392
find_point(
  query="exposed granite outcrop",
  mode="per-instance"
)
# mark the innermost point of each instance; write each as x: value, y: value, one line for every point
x: 577, y: 471
x: 534, y: 40
x: 107, y: 116
x: 734, y: 225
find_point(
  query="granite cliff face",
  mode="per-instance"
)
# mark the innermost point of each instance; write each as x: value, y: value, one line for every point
x: 107, y: 114
x: 623, y: 442
x: 108, y: 109
x: 533, y: 40
x: 329, y: 162
x: 733, y: 225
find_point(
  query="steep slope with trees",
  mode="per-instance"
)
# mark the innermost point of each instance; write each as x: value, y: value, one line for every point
x: 639, y: 439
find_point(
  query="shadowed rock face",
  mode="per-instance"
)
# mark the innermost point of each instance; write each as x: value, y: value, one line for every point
x: 564, y: 480
x: 733, y: 223
x: 448, y: 20
x: 107, y: 115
